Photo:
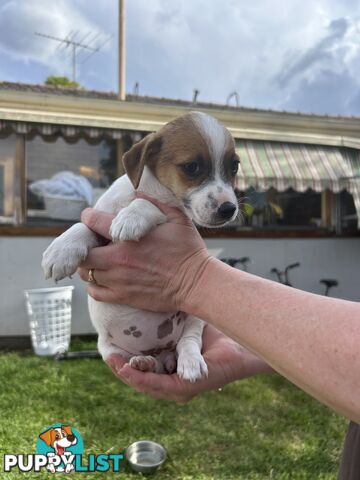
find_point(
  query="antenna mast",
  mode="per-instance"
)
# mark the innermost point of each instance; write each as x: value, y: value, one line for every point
x: 69, y: 41
x: 122, y: 51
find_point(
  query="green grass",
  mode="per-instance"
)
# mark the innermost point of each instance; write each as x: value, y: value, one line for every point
x: 261, y: 428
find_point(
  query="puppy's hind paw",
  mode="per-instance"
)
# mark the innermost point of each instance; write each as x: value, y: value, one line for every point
x: 143, y: 363
x: 191, y: 368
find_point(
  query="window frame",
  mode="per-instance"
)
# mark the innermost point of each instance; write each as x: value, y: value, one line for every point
x: 17, y: 224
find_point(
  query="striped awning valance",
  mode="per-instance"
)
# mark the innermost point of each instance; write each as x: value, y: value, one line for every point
x: 281, y: 165
x: 301, y: 167
x: 67, y: 131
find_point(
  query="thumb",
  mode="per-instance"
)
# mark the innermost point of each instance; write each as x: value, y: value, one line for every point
x: 99, y: 222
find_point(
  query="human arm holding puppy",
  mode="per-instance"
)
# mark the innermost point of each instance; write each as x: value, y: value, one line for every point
x: 311, y: 340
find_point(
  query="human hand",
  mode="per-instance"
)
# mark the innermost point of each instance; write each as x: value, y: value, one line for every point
x: 226, y: 360
x: 156, y: 273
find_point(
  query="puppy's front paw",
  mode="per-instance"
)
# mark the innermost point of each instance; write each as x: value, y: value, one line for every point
x: 191, y: 367
x: 129, y: 225
x: 62, y: 260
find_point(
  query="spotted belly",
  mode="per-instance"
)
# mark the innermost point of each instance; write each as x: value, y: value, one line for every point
x: 146, y: 333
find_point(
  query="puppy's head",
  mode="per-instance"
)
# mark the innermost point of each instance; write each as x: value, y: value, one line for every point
x: 194, y: 157
x: 61, y: 436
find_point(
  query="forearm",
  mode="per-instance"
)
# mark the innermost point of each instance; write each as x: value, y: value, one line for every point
x: 310, y: 339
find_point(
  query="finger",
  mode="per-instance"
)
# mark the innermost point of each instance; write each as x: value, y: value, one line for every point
x: 101, y: 257
x: 103, y: 278
x: 163, y: 386
x: 124, y: 280
x: 139, y: 380
x: 98, y: 222
x: 172, y: 213
x: 101, y: 294
x: 115, y: 362
x: 84, y: 275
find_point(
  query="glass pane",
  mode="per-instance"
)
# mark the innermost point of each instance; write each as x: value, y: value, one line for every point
x: 7, y: 179
x: 273, y: 209
x: 349, y: 219
x: 83, y: 171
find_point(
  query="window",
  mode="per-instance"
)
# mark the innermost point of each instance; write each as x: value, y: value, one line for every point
x: 291, y: 210
x: 95, y: 163
x: 349, y: 219
x: 7, y: 179
x: 281, y: 209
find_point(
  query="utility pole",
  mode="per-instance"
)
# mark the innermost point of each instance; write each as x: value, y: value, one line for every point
x: 122, y: 52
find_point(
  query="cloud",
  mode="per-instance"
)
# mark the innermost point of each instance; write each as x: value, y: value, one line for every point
x: 329, y: 92
x: 219, y: 47
x: 322, y: 52
x: 324, y: 78
x: 298, y: 54
x: 20, y: 19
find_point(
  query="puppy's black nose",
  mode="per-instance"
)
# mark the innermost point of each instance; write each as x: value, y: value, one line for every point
x: 226, y: 210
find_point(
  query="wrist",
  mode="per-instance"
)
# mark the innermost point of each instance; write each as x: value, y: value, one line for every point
x: 190, y: 276
x: 201, y: 275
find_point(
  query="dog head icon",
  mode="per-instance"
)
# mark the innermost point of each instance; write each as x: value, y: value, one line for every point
x: 59, y: 438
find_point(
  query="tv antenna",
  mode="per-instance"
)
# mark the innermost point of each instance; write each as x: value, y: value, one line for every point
x: 233, y: 95
x: 77, y: 46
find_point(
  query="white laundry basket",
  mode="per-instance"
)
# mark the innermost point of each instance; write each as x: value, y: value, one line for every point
x: 64, y: 208
x: 49, y: 312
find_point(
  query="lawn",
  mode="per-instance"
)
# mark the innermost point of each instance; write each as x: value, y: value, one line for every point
x: 261, y: 428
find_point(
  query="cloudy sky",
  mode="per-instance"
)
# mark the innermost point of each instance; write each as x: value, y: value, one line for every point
x: 296, y: 55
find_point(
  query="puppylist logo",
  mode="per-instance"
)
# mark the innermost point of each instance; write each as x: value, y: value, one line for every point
x: 60, y: 449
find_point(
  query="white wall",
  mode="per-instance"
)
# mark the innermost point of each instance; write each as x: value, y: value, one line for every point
x: 319, y: 258
x: 20, y: 259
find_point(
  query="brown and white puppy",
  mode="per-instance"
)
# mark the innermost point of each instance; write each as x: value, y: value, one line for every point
x: 189, y: 163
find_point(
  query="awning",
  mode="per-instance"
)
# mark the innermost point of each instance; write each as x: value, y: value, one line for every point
x: 67, y: 131
x: 282, y: 165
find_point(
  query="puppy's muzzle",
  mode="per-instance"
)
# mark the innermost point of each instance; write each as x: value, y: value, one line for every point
x: 71, y: 438
x: 226, y: 210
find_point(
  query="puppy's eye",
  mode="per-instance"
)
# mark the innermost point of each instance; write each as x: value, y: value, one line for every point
x: 234, y: 165
x: 192, y: 169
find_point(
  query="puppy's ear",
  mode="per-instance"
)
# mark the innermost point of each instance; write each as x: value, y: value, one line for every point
x: 67, y: 429
x: 47, y: 437
x: 139, y: 155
